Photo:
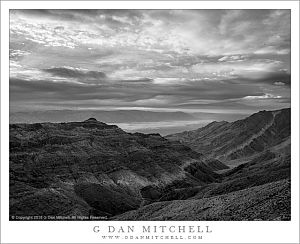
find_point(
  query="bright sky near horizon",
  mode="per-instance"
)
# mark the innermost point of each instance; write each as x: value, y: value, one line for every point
x: 190, y: 60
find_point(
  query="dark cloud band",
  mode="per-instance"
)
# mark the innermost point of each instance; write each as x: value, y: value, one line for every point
x: 74, y: 73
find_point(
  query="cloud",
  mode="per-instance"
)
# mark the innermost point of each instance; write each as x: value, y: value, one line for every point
x: 39, y: 90
x: 268, y: 77
x: 233, y: 58
x: 16, y: 54
x: 265, y: 96
x: 75, y: 73
x: 219, y: 32
x: 164, y: 59
x: 279, y: 83
x: 142, y: 92
x: 249, y: 70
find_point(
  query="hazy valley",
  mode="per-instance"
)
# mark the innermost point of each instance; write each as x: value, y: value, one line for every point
x: 129, y: 120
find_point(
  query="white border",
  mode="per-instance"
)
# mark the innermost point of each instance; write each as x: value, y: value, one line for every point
x: 81, y: 232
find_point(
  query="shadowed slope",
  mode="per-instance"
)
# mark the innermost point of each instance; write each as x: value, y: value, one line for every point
x: 266, y: 202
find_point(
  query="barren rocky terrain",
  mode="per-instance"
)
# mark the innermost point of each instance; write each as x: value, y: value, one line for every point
x: 90, y: 166
x: 223, y: 171
x: 239, y: 139
x: 265, y: 202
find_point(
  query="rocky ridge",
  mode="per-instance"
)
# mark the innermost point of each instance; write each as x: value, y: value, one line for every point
x: 93, y: 167
x: 228, y: 141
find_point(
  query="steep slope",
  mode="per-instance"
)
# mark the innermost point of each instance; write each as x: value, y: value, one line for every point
x: 269, y: 166
x: 239, y: 139
x: 93, y: 168
x: 256, y: 190
x: 265, y: 202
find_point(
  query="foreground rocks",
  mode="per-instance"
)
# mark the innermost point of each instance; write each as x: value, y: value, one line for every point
x: 266, y: 202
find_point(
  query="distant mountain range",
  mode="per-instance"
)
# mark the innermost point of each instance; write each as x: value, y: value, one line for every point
x: 91, y: 168
x: 116, y: 116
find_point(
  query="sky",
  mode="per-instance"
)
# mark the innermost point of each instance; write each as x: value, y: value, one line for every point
x: 218, y: 61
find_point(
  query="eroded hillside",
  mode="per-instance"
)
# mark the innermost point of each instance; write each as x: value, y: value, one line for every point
x: 91, y: 168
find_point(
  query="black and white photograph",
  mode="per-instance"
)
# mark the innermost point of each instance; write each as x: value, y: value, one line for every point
x: 150, y: 115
